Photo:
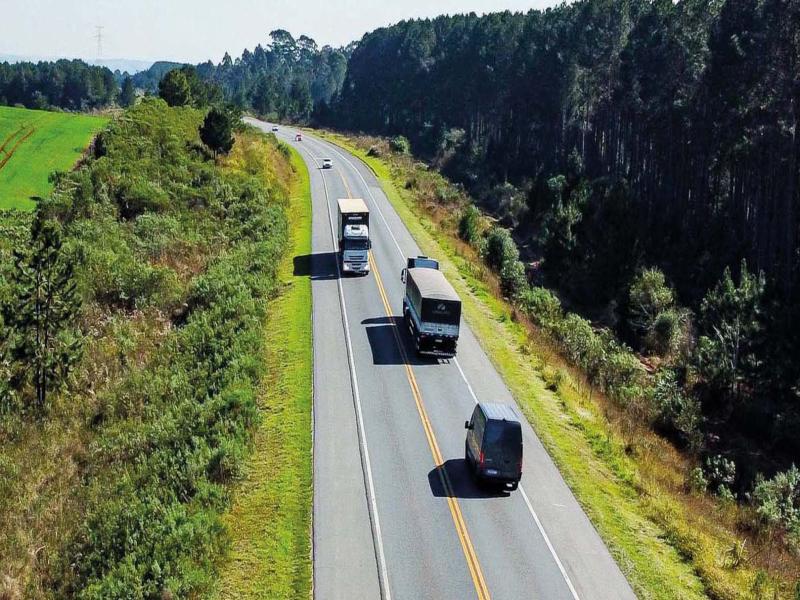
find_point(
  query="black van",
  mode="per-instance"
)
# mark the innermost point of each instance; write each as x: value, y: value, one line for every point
x: 494, y: 445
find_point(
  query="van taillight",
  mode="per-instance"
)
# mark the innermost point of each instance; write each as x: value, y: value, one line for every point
x: 480, y: 458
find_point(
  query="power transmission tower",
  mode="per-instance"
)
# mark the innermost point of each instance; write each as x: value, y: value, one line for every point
x: 99, y: 37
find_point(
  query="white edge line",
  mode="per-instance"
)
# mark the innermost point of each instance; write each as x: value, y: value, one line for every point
x: 383, y: 579
x: 549, y: 545
x: 474, y: 397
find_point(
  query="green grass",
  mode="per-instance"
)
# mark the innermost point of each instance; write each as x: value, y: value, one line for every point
x: 270, y: 521
x: 591, y: 459
x: 34, y: 144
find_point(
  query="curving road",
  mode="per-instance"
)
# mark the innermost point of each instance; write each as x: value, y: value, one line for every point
x: 396, y: 515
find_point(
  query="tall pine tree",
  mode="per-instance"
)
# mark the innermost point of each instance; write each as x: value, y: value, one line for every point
x: 40, y: 340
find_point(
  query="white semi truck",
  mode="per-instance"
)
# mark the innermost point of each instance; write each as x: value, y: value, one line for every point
x: 353, y: 232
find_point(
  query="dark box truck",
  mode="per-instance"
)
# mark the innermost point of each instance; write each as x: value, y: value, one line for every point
x: 431, y: 308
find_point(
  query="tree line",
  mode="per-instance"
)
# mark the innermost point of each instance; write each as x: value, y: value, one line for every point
x: 286, y: 79
x: 66, y: 84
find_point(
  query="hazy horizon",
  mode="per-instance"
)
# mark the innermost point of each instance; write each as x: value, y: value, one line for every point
x: 187, y: 31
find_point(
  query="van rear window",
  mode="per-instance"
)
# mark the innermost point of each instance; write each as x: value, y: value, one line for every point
x: 504, y: 438
x: 445, y: 312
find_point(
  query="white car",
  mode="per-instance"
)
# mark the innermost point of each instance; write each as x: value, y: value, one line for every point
x: 274, y: 128
x: 327, y: 163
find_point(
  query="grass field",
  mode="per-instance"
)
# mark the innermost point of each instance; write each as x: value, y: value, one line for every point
x: 33, y: 144
x: 269, y: 525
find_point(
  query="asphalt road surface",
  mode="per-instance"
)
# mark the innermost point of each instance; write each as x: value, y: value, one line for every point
x: 396, y: 514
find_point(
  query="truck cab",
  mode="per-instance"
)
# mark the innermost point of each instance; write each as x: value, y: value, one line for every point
x: 431, y: 308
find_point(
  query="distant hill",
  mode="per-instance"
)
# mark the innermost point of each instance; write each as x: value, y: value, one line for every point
x: 124, y: 65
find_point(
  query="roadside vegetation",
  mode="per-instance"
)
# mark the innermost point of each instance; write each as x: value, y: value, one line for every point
x: 134, y: 302
x: 269, y: 523
x: 34, y: 144
x: 621, y: 432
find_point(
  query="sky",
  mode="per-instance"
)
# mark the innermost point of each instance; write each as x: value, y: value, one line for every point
x: 198, y: 30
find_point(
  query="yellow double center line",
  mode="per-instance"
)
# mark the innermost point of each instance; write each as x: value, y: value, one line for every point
x: 455, y: 510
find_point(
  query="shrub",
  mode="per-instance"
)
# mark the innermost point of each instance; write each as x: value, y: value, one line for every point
x: 469, y: 224
x: 400, y: 144
x: 720, y: 472
x: 156, y: 233
x: 136, y: 195
x: 665, y: 333
x: 676, y: 410
x: 649, y: 295
x: 513, y: 281
x: 500, y: 249
x: 541, y: 305
x: 552, y: 377
x: 697, y: 481
x: 777, y: 502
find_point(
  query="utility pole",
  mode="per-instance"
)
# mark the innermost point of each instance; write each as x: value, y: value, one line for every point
x: 99, y: 37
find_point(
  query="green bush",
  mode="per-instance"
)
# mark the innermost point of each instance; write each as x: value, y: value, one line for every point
x: 697, y: 481
x: 552, y: 377
x: 541, y: 305
x: 469, y: 224
x: 777, y: 503
x: 513, y: 281
x: 500, y: 249
x: 676, y: 409
x: 155, y: 233
x: 665, y: 333
x: 400, y: 144
x: 720, y: 472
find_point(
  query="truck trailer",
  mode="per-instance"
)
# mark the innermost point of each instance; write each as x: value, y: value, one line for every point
x: 353, y: 234
x: 431, y: 308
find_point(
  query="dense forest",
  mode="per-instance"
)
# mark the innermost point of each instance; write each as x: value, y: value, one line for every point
x: 65, y: 84
x: 644, y: 155
x: 288, y: 79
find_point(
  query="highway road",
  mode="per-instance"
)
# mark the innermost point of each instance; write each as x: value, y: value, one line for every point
x: 396, y: 514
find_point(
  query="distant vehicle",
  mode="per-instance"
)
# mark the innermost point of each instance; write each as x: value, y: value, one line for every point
x: 327, y: 163
x: 493, y: 448
x: 274, y: 128
x: 431, y: 308
x: 353, y: 233
x: 298, y: 137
